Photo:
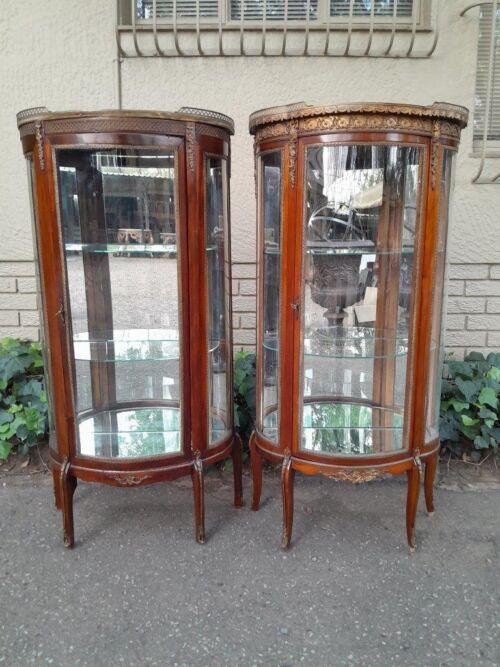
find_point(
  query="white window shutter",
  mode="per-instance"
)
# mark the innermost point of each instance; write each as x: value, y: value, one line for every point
x: 184, y: 9
x: 482, y: 75
x: 383, y: 8
x: 296, y: 10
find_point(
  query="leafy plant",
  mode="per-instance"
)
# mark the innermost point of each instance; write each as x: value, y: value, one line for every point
x: 23, y: 399
x: 470, y: 401
x: 244, y: 394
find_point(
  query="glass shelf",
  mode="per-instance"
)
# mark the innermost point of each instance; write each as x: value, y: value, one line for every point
x: 350, y: 429
x: 352, y: 248
x: 128, y: 345
x: 131, y: 433
x: 125, y: 248
x: 345, y: 429
x: 135, y: 433
x: 337, y: 342
x: 115, y: 248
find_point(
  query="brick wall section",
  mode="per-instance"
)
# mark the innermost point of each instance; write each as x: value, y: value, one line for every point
x: 18, y: 300
x: 473, y: 318
x: 472, y: 322
x: 244, y: 305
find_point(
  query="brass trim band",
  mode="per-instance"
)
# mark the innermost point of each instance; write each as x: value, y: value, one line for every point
x: 301, y: 111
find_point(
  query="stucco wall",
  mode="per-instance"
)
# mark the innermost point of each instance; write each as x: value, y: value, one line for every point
x: 60, y: 53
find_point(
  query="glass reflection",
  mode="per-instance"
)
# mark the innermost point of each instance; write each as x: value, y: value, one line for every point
x: 436, y: 356
x: 118, y: 217
x: 349, y: 428
x: 130, y: 433
x: 271, y: 246
x: 360, y: 221
x: 218, y: 272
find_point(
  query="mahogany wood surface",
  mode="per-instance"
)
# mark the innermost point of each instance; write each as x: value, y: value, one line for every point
x: 292, y: 131
x: 192, y: 138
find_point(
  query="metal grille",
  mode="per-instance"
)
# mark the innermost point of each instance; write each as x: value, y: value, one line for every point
x: 373, y: 28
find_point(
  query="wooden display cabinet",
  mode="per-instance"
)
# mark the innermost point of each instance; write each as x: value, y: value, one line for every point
x: 352, y: 219
x: 133, y: 237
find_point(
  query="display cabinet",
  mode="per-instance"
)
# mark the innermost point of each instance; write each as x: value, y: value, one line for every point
x: 131, y: 213
x: 352, y: 217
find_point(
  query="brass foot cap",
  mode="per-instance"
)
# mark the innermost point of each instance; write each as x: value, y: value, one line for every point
x: 285, y: 543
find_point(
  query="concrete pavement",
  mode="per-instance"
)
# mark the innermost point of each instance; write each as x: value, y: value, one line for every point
x: 138, y: 590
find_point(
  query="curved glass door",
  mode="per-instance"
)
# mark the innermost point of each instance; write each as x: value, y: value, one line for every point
x: 44, y: 343
x: 270, y: 182
x: 360, y: 222
x: 119, y: 228
x: 436, y: 355
x: 219, y: 295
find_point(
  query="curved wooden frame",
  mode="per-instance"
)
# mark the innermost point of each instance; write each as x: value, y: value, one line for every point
x: 192, y: 134
x: 290, y: 130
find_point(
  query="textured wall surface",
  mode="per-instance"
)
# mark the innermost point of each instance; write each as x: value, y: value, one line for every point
x: 61, y: 53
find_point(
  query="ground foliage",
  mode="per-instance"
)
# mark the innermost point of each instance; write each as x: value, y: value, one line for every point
x: 470, y: 398
x: 23, y: 397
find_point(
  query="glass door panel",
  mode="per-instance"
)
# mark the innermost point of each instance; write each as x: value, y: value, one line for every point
x: 436, y: 356
x: 119, y: 226
x: 219, y: 296
x: 44, y: 343
x: 270, y: 263
x: 359, y: 237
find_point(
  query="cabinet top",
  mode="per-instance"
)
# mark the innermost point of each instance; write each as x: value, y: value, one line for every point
x: 300, y: 110
x: 184, y: 114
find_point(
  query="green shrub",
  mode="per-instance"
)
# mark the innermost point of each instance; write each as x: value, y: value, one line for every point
x: 23, y: 400
x: 470, y: 401
x: 244, y: 394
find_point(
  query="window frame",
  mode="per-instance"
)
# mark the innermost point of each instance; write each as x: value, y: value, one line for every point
x: 480, y: 144
x: 341, y: 23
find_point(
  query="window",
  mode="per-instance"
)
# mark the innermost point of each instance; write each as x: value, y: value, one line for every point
x: 485, y: 69
x: 315, y: 11
x: 358, y: 28
x: 185, y: 9
x: 382, y: 8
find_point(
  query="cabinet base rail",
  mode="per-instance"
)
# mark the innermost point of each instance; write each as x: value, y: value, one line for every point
x: 417, y: 466
x: 66, y: 473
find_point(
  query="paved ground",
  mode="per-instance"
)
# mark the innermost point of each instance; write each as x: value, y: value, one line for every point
x: 137, y: 589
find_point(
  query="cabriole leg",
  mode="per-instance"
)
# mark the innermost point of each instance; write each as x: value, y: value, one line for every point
x: 199, y: 499
x: 287, y: 477
x: 237, y: 471
x: 56, y: 473
x: 430, y: 474
x: 411, y: 504
x: 67, y: 486
x: 256, y: 460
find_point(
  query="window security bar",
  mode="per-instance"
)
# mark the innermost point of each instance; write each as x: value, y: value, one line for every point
x: 487, y: 101
x: 352, y: 28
